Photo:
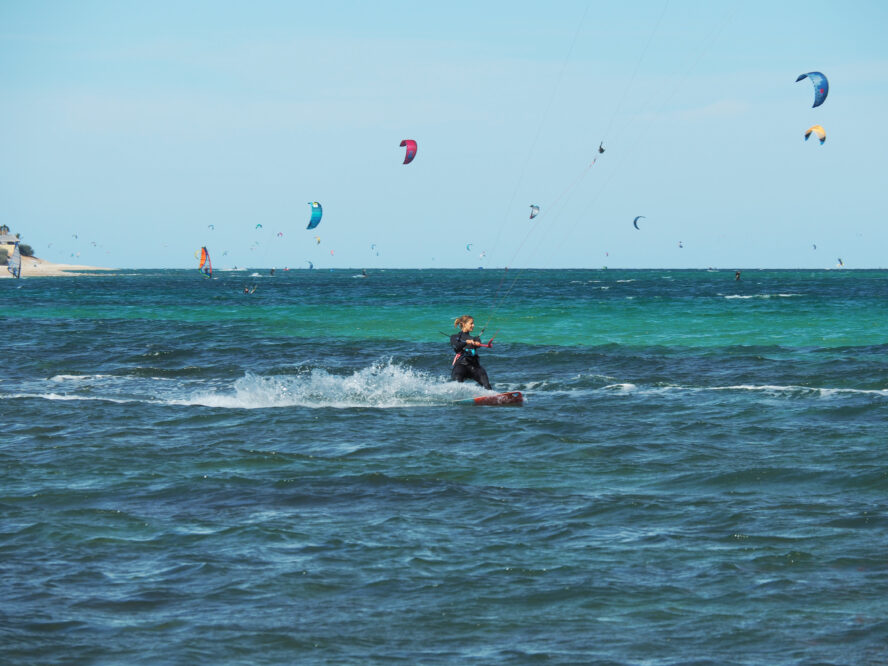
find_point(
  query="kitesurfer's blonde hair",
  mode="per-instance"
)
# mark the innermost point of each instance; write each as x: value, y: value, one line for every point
x: 459, y: 321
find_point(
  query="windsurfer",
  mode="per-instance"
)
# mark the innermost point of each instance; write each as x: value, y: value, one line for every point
x: 465, y: 345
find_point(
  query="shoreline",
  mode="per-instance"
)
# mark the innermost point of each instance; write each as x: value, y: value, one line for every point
x: 36, y: 267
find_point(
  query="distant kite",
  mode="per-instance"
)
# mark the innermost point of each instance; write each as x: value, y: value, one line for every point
x: 534, y: 211
x: 601, y: 147
x: 410, y: 145
x: 821, y: 86
x: 316, y: 212
x: 819, y: 131
x: 468, y: 247
x: 635, y: 221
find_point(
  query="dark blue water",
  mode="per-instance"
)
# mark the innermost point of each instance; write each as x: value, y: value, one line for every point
x: 189, y: 474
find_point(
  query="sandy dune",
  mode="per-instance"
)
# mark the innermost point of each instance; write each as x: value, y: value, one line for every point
x: 35, y: 267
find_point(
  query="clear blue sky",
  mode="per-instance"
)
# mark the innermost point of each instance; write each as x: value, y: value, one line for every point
x: 135, y: 126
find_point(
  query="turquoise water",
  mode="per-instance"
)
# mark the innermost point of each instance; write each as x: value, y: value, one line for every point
x: 189, y: 474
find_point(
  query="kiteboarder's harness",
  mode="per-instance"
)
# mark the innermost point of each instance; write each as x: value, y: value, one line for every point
x: 471, y: 352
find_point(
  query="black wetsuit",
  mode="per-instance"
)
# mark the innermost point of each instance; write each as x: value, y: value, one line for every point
x: 466, y: 363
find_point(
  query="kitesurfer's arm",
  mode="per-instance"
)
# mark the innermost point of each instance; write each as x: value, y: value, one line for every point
x: 459, y: 342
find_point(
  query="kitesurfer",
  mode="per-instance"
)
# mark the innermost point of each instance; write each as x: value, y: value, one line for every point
x: 465, y: 345
x: 737, y: 275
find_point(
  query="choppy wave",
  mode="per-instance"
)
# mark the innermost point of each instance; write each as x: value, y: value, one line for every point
x: 381, y: 385
x: 67, y: 397
x: 687, y: 466
x: 774, y: 390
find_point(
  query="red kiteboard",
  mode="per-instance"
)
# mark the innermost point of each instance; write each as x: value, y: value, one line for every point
x: 511, y: 398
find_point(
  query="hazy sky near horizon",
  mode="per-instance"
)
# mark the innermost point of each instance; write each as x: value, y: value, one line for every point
x: 134, y: 133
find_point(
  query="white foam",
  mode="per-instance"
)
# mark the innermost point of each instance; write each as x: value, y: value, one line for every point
x: 622, y: 388
x: 773, y: 389
x: 380, y: 386
x: 65, y: 397
x: 750, y: 296
x: 76, y: 378
x: 821, y: 391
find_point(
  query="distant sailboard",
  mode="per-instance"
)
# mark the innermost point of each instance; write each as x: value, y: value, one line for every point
x: 14, y: 264
x: 205, y: 266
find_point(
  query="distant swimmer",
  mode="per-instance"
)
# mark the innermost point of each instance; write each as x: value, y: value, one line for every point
x: 465, y: 345
x: 737, y: 275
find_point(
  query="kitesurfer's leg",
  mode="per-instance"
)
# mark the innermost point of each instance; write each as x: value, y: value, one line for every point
x: 458, y: 373
x: 479, y: 374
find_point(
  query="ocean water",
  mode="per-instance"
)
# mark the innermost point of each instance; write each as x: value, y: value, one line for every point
x: 189, y: 474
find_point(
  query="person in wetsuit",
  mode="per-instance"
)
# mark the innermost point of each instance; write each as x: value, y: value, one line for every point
x: 466, y: 363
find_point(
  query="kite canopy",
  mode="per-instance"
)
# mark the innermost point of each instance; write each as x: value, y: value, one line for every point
x: 316, y: 212
x: 821, y: 86
x: 410, y: 145
x: 819, y: 131
x: 534, y: 211
x: 635, y: 221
